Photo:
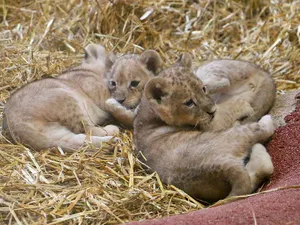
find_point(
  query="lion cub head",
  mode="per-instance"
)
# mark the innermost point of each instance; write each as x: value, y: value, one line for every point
x: 178, y: 97
x: 129, y: 74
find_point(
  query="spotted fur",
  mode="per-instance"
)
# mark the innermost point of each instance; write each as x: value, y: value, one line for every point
x: 126, y: 81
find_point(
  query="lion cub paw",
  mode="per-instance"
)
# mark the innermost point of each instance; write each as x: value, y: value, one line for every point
x: 113, y: 105
x: 97, y: 141
x: 267, y: 123
x: 243, y: 109
x: 247, y: 109
x: 111, y: 130
x: 264, y: 165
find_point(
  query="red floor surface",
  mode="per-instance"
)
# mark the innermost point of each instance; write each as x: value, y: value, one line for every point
x: 275, y: 207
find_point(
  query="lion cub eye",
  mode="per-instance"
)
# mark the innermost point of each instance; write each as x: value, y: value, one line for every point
x: 112, y: 83
x: 190, y: 103
x: 134, y: 83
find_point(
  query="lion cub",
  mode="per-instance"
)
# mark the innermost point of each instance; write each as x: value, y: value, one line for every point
x: 66, y: 111
x: 207, y: 165
x: 227, y: 80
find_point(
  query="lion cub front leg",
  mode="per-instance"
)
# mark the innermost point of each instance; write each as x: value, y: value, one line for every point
x: 123, y: 115
x: 230, y: 113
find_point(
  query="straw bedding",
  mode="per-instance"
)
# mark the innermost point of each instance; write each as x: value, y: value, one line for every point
x: 108, y: 185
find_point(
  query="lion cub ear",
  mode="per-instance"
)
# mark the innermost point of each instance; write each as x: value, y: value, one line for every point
x: 185, y: 60
x: 110, y: 60
x: 156, y: 89
x: 96, y: 52
x: 152, y: 60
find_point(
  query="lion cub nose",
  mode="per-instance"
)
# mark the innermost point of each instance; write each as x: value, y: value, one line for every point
x: 212, y: 110
x: 121, y: 100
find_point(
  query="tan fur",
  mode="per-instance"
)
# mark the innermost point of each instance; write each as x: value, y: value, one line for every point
x: 58, y: 112
x: 126, y: 82
x: 168, y: 131
x: 229, y: 81
x: 260, y: 166
x: 61, y: 111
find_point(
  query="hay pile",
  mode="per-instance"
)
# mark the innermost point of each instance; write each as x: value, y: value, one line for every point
x: 99, y: 185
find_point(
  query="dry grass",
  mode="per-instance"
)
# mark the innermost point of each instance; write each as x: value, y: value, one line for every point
x: 40, y: 37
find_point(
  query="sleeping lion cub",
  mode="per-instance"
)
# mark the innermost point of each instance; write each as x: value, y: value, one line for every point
x: 66, y: 111
x: 227, y: 80
x: 208, y: 165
